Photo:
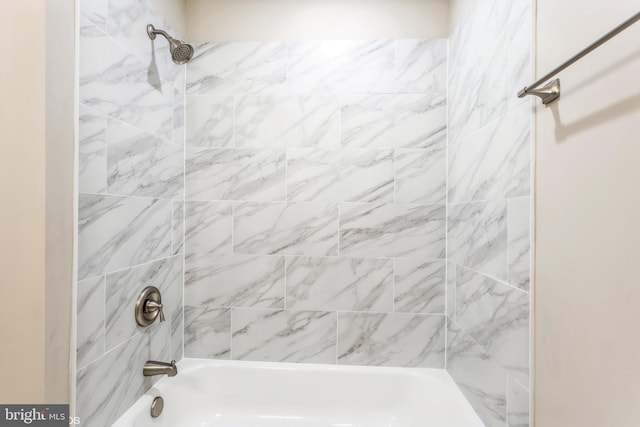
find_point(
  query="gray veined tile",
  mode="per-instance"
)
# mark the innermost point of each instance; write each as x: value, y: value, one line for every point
x: 90, y: 320
x: 123, y: 289
x: 179, y: 127
x: 419, y: 286
x: 421, y: 66
x: 495, y: 162
x: 394, y: 121
x: 421, y: 175
x: 478, y: 86
x: 519, y: 242
x: 519, y: 54
x: 451, y: 290
x: 286, y: 228
x: 366, y: 175
x: 110, y: 385
x: 116, y: 83
x: 210, y: 120
x: 235, y: 281
x: 313, y: 175
x: 208, y: 227
x: 177, y: 333
x: 348, y: 284
x: 352, y: 175
x: 496, y: 316
x: 177, y: 242
x: 517, y: 405
x: 92, y: 151
x: 95, y: 11
x: 477, y: 237
x: 287, y: 121
x: 284, y: 336
x: 118, y: 232
x: 392, y: 339
x: 245, y: 174
x: 386, y: 230
x: 140, y: 164
x: 341, y: 66
x: 238, y: 68
x: 482, y: 381
x: 207, y: 332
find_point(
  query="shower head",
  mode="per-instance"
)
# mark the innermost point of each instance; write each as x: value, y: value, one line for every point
x: 181, y: 52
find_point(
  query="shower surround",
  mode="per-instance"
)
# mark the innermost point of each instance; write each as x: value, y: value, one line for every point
x: 315, y: 208
x: 131, y: 190
x: 334, y: 201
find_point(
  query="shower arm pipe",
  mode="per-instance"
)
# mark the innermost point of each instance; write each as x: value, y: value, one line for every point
x: 551, y: 91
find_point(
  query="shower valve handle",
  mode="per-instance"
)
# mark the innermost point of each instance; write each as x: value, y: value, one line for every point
x: 152, y: 306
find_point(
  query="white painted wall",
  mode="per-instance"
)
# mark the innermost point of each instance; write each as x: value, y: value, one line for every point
x: 175, y: 13
x: 22, y: 191
x: 587, y: 291
x: 213, y: 20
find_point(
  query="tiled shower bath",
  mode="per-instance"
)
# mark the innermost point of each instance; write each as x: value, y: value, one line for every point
x: 359, y: 202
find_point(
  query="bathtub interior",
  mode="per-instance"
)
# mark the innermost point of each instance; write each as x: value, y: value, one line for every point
x: 210, y: 393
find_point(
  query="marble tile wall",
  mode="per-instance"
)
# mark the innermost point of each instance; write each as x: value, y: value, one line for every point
x: 488, y: 204
x: 315, y: 212
x: 130, y: 201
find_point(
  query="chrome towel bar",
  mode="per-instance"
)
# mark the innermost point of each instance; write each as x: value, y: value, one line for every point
x: 551, y: 91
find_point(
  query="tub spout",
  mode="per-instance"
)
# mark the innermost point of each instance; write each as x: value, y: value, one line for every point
x: 152, y: 368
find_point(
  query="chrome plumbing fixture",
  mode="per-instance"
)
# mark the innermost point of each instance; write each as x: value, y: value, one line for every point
x: 181, y: 52
x: 149, y: 307
x: 157, y: 406
x: 153, y: 368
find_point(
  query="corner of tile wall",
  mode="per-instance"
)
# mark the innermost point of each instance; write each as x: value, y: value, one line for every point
x: 130, y: 201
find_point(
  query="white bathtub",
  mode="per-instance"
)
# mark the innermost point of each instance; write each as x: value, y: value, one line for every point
x: 208, y: 393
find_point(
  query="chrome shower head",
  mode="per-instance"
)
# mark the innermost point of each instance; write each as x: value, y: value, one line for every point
x: 181, y: 52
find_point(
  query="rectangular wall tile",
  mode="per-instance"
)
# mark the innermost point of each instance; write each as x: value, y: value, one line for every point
x: 477, y: 237
x: 90, y: 320
x: 345, y: 284
x: 340, y: 175
x: 286, y: 229
x: 341, y: 66
x: 238, y: 68
x: 392, y: 339
x: 284, y: 336
x: 177, y: 243
x: 207, y: 332
x: 494, y: 162
x: 519, y: 242
x: 140, y: 164
x: 118, y: 232
x: 116, y: 83
x: 421, y: 66
x: 95, y: 11
x: 287, y: 121
x: 517, y: 405
x: 419, y: 286
x: 107, y: 388
x: 235, y: 174
x: 451, y: 290
x: 92, y: 151
x: 482, y: 381
x: 208, y: 227
x: 123, y: 289
x: 393, y: 121
x: 496, y: 316
x: 210, y: 121
x: 179, y: 127
x: 177, y: 332
x: 384, y: 230
x: 421, y: 175
x: 235, y: 281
